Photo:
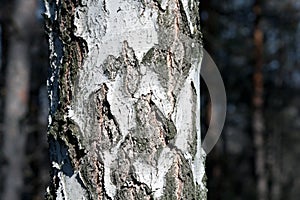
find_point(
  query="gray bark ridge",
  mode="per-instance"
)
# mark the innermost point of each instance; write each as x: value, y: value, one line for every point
x: 124, y: 121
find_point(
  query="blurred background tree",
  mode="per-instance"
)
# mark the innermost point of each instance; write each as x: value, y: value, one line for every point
x: 256, y: 46
x: 244, y: 37
x: 24, y: 61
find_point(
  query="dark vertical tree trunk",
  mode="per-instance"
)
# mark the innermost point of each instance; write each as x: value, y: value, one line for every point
x: 124, y: 100
x: 258, y: 102
x: 16, y: 99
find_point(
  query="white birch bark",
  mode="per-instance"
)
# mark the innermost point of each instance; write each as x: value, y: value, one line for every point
x: 124, y: 94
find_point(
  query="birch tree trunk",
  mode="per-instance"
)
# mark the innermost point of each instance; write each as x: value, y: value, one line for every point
x: 124, y: 118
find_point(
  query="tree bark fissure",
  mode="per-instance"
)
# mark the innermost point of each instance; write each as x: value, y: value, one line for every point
x: 124, y: 100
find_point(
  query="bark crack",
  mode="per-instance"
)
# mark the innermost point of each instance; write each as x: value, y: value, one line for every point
x: 108, y: 124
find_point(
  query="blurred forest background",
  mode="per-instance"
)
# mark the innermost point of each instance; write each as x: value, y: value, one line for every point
x: 255, y: 44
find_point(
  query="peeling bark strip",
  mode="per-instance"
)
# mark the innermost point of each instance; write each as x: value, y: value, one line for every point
x: 124, y: 99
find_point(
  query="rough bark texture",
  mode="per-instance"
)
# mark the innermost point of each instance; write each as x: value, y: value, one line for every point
x: 124, y: 94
